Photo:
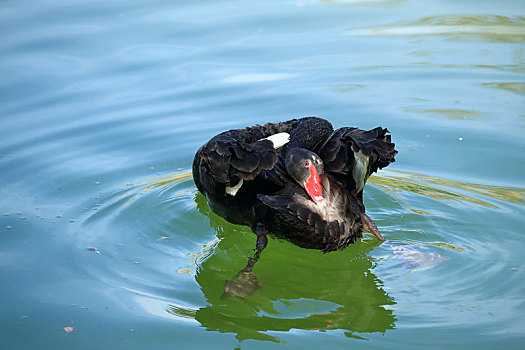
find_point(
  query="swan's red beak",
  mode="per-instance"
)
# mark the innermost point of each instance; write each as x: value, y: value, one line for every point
x: 313, y: 186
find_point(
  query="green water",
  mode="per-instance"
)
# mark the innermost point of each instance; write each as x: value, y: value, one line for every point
x: 103, y: 105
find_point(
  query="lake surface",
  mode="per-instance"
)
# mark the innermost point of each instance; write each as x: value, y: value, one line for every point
x: 106, y: 243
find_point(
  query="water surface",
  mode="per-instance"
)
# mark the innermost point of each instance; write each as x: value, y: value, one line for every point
x: 103, y: 105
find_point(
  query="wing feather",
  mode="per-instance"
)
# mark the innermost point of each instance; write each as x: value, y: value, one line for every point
x: 305, y: 224
x: 352, y: 154
x: 234, y: 155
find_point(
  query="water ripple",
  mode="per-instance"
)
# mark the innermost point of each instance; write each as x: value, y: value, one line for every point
x: 447, y: 191
x: 153, y: 233
x: 491, y: 28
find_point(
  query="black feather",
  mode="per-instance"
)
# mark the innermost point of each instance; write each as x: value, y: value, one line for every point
x: 271, y: 197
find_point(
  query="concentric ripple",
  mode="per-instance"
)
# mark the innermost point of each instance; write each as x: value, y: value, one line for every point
x: 158, y: 243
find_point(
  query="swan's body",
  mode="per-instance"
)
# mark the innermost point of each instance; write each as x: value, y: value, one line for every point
x: 299, y: 179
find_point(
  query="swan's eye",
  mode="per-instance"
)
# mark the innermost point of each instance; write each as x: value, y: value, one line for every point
x: 307, y: 163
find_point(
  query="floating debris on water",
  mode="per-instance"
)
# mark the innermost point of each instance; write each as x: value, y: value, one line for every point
x: 69, y: 329
x: 93, y: 249
x: 412, y: 258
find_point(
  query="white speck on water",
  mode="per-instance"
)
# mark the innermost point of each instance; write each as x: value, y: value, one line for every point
x: 460, y: 139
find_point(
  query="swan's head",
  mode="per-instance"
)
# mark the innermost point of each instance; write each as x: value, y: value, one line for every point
x: 304, y: 167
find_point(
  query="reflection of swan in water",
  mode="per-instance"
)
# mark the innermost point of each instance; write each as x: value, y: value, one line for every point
x: 300, y: 288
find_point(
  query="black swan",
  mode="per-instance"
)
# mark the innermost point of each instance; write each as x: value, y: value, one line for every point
x: 298, y: 179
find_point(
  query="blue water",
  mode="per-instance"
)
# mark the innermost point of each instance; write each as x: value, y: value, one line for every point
x: 103, y: 105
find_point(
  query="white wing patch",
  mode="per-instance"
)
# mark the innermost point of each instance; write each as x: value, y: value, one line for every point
x: 360, y: 169
x: 232, y: 191
x: 279, y: 139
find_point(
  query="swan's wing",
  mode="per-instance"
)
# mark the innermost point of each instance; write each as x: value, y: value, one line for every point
x: 236, y: 155
x: 302, y: 222
x: 352, y: 154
